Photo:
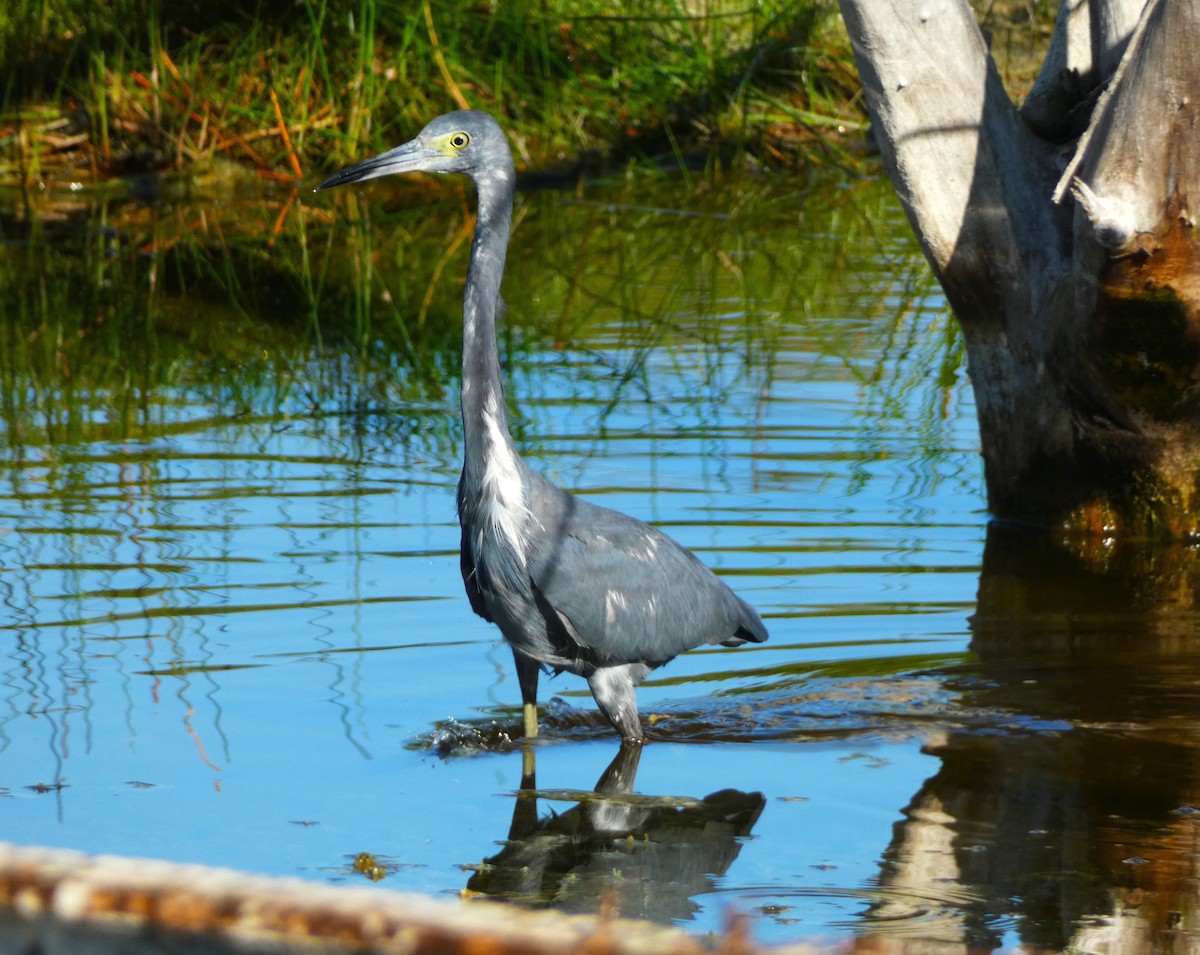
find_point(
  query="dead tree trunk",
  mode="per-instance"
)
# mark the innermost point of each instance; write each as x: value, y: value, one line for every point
x: 1063, y: 236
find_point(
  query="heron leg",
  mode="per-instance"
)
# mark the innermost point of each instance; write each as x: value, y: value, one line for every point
x: 527, y: 677
x: 613, y: 689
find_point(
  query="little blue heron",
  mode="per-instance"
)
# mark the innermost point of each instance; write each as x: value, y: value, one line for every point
x: 572, y: 586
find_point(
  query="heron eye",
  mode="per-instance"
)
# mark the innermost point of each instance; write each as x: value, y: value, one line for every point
x: 459, y: 140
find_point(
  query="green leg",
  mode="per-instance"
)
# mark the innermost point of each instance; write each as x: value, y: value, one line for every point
x: 529, y: 712
x: 527, y: 679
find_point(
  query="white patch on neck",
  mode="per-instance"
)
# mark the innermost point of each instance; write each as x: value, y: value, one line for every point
x: 502, y: 501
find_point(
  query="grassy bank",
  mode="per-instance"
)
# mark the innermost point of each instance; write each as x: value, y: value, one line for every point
x: 102, y: 88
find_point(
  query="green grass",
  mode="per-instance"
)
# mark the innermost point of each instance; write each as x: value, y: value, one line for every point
x: 97, y: 88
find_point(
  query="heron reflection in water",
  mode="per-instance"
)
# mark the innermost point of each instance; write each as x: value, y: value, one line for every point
x: 650, y: 856
x: 572, y: 586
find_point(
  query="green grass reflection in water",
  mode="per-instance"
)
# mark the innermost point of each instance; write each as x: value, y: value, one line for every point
x: 230, y: 569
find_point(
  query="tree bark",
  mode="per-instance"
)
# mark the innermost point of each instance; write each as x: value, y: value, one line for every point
x: 1062, y: 237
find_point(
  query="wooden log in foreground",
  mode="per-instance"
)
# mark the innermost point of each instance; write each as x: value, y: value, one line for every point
x: 57, y: 901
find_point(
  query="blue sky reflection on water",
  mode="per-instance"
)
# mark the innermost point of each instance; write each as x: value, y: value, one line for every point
x: 232, y: 642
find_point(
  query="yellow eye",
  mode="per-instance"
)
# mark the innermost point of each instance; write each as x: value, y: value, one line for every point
x: 459, y: 140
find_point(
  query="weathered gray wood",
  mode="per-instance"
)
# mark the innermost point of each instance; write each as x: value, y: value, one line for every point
x: 1040, y: 243
x: 60, y: 902
x: 1089, y: 40
x: 956, y: 150
x: 1139, y: 150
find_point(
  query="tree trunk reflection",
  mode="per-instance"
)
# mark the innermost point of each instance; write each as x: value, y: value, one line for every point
x: 1081, y: 832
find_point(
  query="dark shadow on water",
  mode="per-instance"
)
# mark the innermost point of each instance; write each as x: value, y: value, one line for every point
x: 638, y: 856
x: 707, y: 720
x: 558, y: 722
x: 799, y: 708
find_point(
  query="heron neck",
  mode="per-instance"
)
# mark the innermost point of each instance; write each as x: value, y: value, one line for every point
x: 485, y: 421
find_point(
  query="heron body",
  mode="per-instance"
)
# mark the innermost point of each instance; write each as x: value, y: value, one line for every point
x: 572, y: 586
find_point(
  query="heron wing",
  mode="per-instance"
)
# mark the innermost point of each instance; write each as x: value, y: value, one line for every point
x: 626, y: 591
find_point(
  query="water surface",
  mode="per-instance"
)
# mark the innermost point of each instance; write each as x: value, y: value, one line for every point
x: 234, y: 630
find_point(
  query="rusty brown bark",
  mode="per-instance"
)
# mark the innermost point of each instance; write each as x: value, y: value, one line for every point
x: 1063, y: 236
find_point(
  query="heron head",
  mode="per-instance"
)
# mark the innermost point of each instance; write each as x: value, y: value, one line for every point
x: 465, y: 141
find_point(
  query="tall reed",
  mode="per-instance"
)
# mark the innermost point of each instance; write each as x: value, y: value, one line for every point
x: 289, y: 87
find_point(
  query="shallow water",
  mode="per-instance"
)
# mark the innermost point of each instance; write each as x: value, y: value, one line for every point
x: 234, y: 630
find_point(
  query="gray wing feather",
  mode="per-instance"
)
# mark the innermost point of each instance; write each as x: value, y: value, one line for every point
x: 470, y: 579
x: 629, y: 592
